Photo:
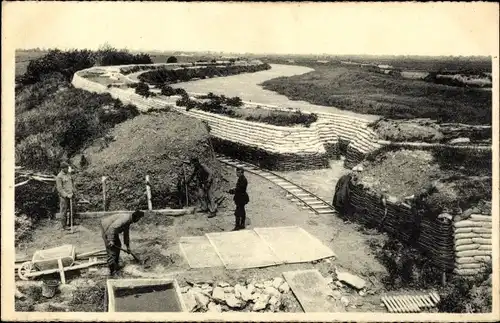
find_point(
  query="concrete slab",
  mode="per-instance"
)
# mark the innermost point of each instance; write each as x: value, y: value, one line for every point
x: 242, y: 249
x: 199, y: 252
x: 293, y: 244
x: 312, y: 291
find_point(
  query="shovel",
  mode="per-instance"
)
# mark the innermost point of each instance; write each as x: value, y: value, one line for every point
x: 133, y: 255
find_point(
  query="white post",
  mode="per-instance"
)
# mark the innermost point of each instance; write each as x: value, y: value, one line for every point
x: 148, y: 192
x: 103, y: 180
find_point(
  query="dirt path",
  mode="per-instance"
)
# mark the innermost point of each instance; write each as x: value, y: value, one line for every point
x: 268, y: 208
x: 246, y: 86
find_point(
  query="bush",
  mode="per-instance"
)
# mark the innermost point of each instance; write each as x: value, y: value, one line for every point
x: 167, y: 90
x: 68, y: 62
x: 142, y: 89
x: 172, y: 59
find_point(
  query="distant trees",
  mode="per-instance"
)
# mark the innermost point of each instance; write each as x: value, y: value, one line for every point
x: 172, y: 59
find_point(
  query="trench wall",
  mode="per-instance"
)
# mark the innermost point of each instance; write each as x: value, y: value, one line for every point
x: 268, y: 146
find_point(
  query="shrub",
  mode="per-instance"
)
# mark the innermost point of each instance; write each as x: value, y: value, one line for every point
x: 167, y: 90
x: 234, y: 102
x: 172, y: 59
x: 142, y: 89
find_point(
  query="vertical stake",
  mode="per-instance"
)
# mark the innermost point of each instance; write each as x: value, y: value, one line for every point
x: 148, y: 192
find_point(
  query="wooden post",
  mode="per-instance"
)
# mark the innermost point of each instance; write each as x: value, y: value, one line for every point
x: 103, y: 193
x: 443, y: 278
x: 148, y: 192
x: 61, y: 271
x: 71, y: 213
x: 185, y: 184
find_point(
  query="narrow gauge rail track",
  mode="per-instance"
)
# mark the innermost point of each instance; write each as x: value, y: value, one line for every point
x: 295, y: 193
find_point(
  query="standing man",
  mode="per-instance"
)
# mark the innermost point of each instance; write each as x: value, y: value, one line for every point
x: 66, y: 191
x: 205, y: 186
x: 111, y: 227
x: 240, y: 199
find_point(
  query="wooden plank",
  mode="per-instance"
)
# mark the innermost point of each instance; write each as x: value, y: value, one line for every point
x: 394, y: 305
x: 168, y: 212
x: 61, y: 271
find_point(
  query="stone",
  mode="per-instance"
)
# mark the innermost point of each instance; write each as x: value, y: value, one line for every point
x: 261, y: 303
x: 336, y: 294
x: 229, y: 289
x: 218, y: 294
x: 202, y: 300
x: 190, y: 301
x: 205, y: 286
x: 275, y: 301
x: 245, y: 294
x: 345, y: 301
x: 461, y: 140
x: 268, y: 283
x: 272, y: 291
x: 233, y: 302
x: 251, y: 288
x: 329, y: 280
x: 284, y: 288
x: 215, y: 308
x: 361, y: 293
x: 339, y: 284
x: 237, y: 290
x: 351, y: 280
x: 19, y: 295
x: 223, y: 284
x: 259, y: 285
x: 256, y: 296
x: 185, y: 289
x: 277, y: 282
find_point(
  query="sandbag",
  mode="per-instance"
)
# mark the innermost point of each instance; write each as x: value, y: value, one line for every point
x: 481, y: 230
x: 465, y: 235
x: 486, y: 247
x: 466, y: 272
x: 465, y: 247
x: 465, y: 260
x: 480, y: 218
x: 481, y: 241
x: 469, y: 266
x: 472, y: 253
x: 486, y: 236
x: 486, y: 259
x: 461, y: 242
x: 466, y: 224
x: 462, y: 230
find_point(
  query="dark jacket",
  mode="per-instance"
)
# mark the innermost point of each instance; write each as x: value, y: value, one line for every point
x: 240, y: 191
x: 341, y: 199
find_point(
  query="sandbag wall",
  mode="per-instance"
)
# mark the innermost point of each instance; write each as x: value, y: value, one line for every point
x: 436, y: 239
x: 473, y: 244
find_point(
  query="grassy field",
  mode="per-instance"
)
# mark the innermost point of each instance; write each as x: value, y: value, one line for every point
x: 358, y: 90
x: 23, y: 58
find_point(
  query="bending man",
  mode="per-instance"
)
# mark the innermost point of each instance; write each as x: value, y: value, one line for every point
x: 240, y: 199
x: 205, y: 187
x: 111, y: 227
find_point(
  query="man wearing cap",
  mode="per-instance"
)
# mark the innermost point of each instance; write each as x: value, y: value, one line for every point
x: 111, y: 227
x: 240, y: 199
x: 205, y: 186
x: 342, y: 197
x: 66, y: 191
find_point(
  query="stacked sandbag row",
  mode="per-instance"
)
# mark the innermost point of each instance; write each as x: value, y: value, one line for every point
x: 435, y: 238
x: 473, y: 247
x: 269, y: 160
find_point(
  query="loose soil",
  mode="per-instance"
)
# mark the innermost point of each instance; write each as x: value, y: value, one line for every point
x: 268, y: 207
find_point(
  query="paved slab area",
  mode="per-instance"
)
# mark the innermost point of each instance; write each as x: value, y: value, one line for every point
x: 242, y: 249
x: 312, y: 291
x: 199, y: 252
x: 293, y: 244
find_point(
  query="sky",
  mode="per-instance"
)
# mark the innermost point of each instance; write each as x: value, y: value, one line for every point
x: 293, y: 28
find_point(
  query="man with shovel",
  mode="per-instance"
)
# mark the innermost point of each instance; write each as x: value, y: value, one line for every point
x: 111, y: 227
x: 66, y: 191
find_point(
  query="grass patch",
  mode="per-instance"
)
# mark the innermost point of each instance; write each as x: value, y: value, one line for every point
x: 358, y: 90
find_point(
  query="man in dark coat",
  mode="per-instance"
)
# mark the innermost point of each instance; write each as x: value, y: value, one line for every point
x: 66, y: 191
x: 240, y: 199
x: 111, y: 227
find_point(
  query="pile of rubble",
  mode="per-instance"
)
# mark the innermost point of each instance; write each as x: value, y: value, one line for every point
x: 222, y: 297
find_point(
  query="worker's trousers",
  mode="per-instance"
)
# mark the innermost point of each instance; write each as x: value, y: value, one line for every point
x: 64, y: 209
x: 113, y: 253
x: 240, y: 215
x: 207, y: 199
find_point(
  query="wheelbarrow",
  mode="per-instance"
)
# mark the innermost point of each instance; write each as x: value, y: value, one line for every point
x: 58, y: 260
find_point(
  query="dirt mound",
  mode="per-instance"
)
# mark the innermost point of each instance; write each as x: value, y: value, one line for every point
x: 402, y: 173
x: 154, y: 145
x: 408, y: 130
